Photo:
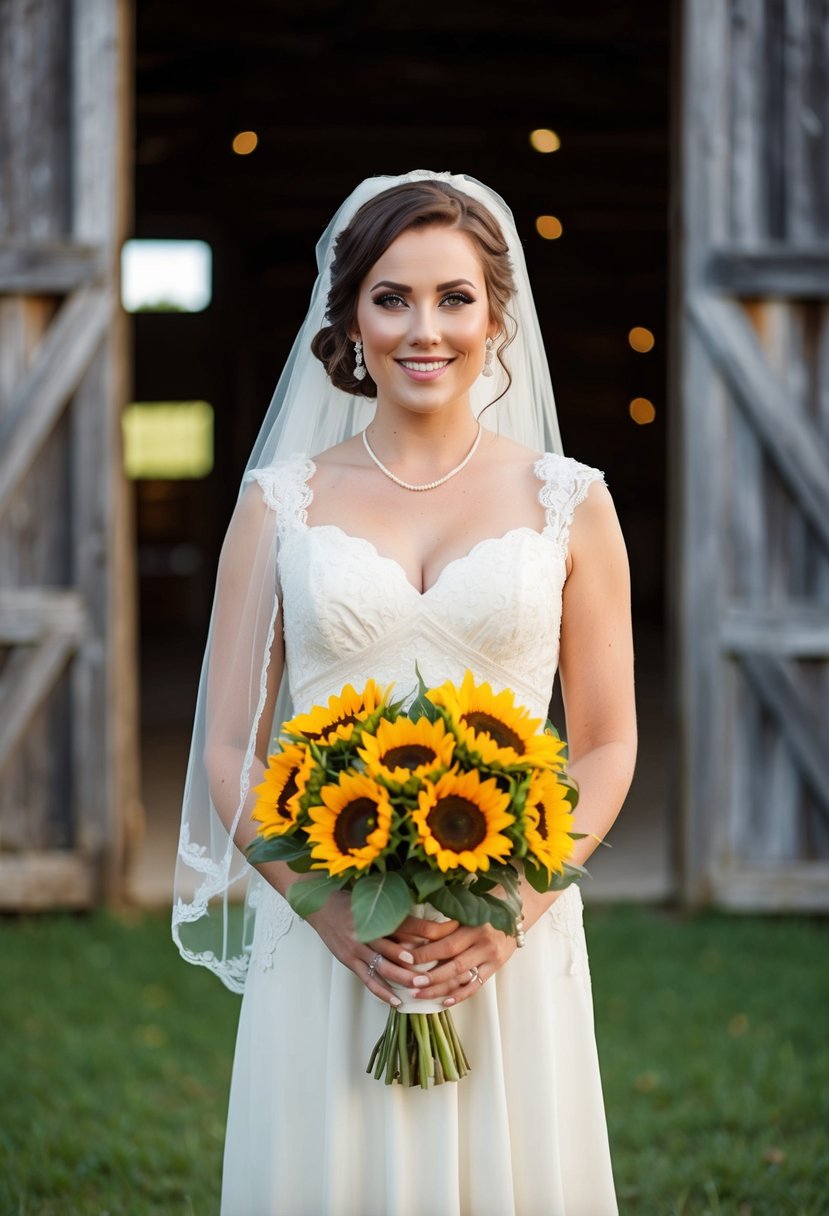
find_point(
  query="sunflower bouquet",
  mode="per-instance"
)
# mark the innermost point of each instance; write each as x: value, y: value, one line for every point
x: 433, y: 811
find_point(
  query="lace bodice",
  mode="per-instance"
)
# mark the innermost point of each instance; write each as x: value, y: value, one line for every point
x: 350, y: 613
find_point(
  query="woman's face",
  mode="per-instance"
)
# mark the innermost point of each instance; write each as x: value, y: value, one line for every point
x: 423, y: 318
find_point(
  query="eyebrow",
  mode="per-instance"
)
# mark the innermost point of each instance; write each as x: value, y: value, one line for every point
x: 403, y: 289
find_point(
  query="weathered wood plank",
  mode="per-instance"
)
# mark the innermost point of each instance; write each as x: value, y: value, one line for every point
x: 45, y: 881
x: 779, y: 270
x: 27, y: 613
x: 794, y: 449
x: 25, y: 682
x: 748, y: 196
x: 797, y: 630
x: 64, y: 356
x: 779, y: 692
x: 777, y: 887
x: 34, y: 151
x: 104, y: 688
x: 48, y: 269
x: 698, y: 506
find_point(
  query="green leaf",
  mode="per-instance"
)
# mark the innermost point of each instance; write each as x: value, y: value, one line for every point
x: 500, y: 916
x: 508, y: 877
x: 458, y: 903
x: 422, y: 707
x: 278, y: 848
x: 379, y: 903
x: 427, y: 881
x: 536, y: 876
x: 309, y: 894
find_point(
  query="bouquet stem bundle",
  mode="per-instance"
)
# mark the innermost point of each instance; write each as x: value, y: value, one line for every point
x: 418, y: 1049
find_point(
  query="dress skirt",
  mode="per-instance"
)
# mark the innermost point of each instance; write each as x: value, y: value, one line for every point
x: 310, y: 1133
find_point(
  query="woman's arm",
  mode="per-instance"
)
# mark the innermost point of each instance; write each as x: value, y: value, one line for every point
x: 596, y: 671
x: 247, y: 568
x: 245, y: 581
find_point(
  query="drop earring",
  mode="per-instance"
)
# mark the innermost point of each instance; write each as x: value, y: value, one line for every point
x: 359, y: 366
x: 487, y: 368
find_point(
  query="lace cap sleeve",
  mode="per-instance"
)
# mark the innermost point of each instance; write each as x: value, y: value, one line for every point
x: 285, y: 489
x: 564, y: 484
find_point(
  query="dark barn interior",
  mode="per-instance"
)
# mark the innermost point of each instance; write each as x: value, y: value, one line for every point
x: 337, y: 91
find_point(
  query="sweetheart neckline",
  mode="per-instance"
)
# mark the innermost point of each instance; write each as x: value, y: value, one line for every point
x: 542, y: 534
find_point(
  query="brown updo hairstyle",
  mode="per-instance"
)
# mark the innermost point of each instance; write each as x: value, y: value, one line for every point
x: 373, y: 228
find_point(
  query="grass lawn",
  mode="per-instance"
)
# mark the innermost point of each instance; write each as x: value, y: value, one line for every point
x: 712, y: 1031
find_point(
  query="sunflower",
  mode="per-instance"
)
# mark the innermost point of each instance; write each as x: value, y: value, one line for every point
x: 548, y: 820
x: 404, y: 749
x: 459, y: 821
x: 494, y: 730
x: 337, y: 720
x: 286, y: 776
x: 352, y: 826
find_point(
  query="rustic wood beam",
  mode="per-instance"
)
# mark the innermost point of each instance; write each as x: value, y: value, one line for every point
x: 797, y: 630
x: 44, y: 881
x: 63, y: 357
x: 780, y: 272
x: 795, y: 449
x: 776, y: 687
x: 28, y: 675
x: 787, y: 887
x: 52, y: 269
x: 27, y: 613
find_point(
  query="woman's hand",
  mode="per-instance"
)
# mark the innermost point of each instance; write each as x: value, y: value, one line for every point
x: 373, y: 963
x: 467, y: 956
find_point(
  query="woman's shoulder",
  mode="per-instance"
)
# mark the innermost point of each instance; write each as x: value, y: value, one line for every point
x: 555, y: 466
x: 282, y: 482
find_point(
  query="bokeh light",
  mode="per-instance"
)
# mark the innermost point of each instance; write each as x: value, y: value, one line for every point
x: 549, y: 227
x: 642, y: 411
x: 545, y: 140
x: 245, y: 142
x: 641, y: 339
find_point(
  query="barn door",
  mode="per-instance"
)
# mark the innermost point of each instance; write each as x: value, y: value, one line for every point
x: 68, y: 739
x: 750, y: 458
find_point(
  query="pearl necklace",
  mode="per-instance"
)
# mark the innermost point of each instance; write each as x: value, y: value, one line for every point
x: 429, y: 485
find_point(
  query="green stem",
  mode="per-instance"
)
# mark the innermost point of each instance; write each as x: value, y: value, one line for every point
x: 403, y: 1048
x: 444, y: 1048
x: 391, y: 1060
x: 423, y: 1053
x: 460, y: 1054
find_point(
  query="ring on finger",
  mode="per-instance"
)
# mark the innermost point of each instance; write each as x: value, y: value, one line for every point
x: 372, y: 967
x: 473, y: 975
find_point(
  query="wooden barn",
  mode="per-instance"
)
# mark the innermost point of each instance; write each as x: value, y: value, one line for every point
x: 668, y: 167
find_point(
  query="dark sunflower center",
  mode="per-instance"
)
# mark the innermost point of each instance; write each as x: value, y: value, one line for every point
x: 501, y: 734
x: 345, y: 720
x: 355, y: 823
x: 542, y: 828
x: 287, y: 792
x: 409, y: 755
x: 457, y: 824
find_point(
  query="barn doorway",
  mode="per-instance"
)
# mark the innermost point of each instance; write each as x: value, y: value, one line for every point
x: 334, y: 92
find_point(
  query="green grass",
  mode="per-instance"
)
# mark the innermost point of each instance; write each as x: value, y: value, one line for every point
x: 712, y: 1032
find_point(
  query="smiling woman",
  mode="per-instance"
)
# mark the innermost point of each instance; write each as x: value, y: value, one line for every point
x: 435, y: 538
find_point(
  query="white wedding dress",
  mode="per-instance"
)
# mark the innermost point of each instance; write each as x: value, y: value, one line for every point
x: 309, y: 1132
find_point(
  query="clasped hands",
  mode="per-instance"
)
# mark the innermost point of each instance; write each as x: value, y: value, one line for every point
x: 464, y: 956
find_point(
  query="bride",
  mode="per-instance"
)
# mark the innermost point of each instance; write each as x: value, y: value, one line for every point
x: 407, y: 503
